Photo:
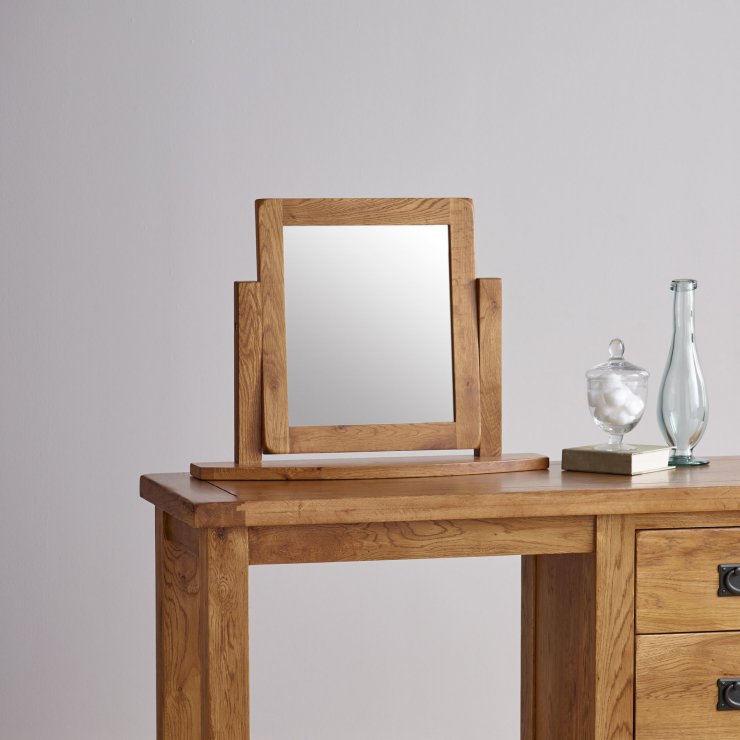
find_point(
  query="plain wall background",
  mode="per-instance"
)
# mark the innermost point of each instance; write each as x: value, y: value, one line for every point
x: 600, y: 143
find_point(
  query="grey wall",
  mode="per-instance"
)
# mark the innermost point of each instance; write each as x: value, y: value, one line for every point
x: 600, y: 143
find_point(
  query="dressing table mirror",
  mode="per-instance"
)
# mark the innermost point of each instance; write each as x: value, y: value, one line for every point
x: 366, y: 331
x: 368, y: 325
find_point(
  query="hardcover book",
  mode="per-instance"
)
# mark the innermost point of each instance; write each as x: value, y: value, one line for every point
x: 632, y: 460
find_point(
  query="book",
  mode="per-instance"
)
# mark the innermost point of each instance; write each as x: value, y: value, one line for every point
x: 633, y: 460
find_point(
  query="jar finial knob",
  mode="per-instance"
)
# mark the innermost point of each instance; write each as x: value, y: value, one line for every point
x: 616, y: 349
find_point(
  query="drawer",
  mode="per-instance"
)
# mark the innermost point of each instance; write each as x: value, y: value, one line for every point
x: 677, y: 580
x: 676, y: 686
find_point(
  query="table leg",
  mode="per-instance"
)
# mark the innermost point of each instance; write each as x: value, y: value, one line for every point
x: 528, y: 666
x: 578, y: 639
x: 557, y: 647
x: 615, y: 628
x: 202, y: 638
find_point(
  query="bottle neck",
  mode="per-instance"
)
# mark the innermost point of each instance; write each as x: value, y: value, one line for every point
x: 683, y: 314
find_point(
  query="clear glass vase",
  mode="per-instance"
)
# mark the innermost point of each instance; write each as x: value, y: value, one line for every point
x: 682, y: 401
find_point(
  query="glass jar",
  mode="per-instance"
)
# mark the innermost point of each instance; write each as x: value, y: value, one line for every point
x: 617, y: 394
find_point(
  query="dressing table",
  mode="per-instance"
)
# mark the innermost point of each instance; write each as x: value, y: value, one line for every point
x: 630, y: 606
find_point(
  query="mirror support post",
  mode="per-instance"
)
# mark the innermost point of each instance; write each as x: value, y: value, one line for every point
x: 489, y: 348
x: 247, y: 374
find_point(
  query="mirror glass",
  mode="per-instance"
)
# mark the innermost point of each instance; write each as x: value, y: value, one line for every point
x: 368, y: 324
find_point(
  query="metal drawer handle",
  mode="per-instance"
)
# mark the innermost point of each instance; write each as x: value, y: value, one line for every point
x: 729, y: 580
x: 728, y: 694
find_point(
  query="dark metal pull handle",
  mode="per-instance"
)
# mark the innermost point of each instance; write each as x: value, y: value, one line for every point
x: 728, y: 694
x: 729, y: 580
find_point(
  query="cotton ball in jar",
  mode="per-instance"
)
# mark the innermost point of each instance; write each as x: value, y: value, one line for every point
x: 634, y: 405
x: 617, y: 395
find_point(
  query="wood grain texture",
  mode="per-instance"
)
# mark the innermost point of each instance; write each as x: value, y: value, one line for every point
x: 464, y: 324
x: 270, y: 268
x: 180, y: 495
x: 489, y: 339
x: 429, y: 466
x: 247, y: 373
x: 677, y: 580
x: 178, y: 657
x: 181, y: 535
x: 330, y: 543
x: 364, y: 211
x: 676, y: 686
x: 224, y: 634
x: 373, y: 437
x: 687, y: 519
x: 558, y: 623
x: 202, y: 640
x: 615, y: 628
x: 536, y: 493
x: 528, y: 644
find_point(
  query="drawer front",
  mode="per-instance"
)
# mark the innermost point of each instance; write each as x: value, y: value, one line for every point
x: 676, y: 686
x: 678, y: 580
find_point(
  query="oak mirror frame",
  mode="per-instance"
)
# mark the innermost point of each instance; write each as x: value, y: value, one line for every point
x: 278, y: 436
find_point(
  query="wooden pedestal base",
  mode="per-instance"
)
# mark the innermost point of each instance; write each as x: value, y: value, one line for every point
x: 370, y: 467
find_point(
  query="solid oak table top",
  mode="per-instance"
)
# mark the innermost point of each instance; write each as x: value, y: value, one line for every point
x: 537, y: 493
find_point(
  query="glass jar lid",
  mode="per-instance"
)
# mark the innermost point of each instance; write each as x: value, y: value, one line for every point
x: 616, y: 366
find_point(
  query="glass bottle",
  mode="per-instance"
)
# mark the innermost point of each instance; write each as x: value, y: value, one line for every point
x: 682, y: 401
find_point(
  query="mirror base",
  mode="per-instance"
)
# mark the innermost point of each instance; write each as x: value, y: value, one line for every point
x: 371, y: 467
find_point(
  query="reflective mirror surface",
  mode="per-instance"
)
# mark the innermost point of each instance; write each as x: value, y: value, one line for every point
x: 368, y: 327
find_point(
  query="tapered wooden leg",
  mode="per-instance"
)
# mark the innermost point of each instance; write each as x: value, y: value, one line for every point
x: 202, y: 639
x: 557, y: 647
x: 615, y: 628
